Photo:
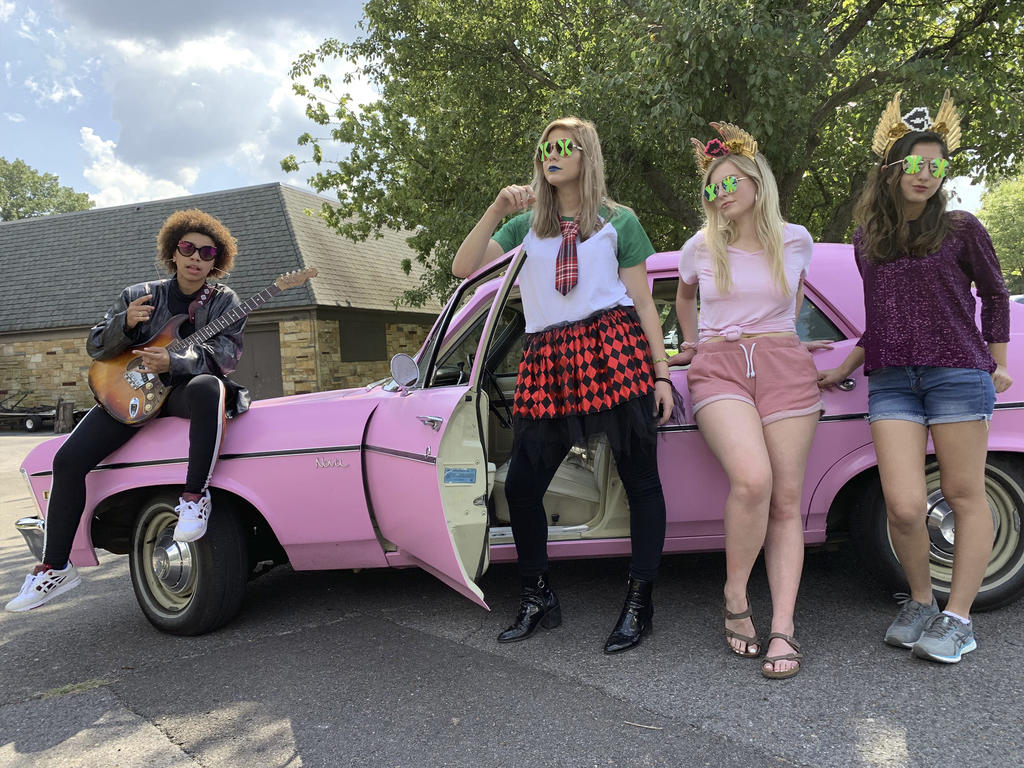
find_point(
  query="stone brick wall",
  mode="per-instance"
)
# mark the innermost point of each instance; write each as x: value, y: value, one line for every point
x: 336, y: 374
x: 49, y: 368
x: 298, y: 355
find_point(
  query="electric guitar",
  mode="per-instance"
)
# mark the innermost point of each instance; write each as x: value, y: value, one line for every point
x: 134, y: 397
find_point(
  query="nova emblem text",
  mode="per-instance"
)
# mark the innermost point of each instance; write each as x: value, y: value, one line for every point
x: 323, y: 463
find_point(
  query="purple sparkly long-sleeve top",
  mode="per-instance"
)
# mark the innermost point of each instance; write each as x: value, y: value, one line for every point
x: 921, y: 311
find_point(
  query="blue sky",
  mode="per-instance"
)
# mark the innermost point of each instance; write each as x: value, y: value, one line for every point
x: 130, y: 100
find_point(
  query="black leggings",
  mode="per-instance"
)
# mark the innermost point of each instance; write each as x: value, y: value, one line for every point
x: 530, y: 475
x: 99, y: 434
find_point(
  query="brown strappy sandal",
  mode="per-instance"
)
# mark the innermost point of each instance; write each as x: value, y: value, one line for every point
x: 730, y: 634
x: 796, y: 656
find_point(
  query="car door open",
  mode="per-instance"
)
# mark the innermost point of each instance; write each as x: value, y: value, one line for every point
x: 424, y: 451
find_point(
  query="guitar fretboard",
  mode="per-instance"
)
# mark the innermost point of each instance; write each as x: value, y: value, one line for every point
x: 228, y: 318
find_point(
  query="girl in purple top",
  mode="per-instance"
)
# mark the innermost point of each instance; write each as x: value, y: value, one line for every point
x: 752, y: 383
x: 929, y: 367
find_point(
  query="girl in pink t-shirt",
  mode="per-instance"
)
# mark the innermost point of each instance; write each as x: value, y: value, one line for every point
x: 752, y: 383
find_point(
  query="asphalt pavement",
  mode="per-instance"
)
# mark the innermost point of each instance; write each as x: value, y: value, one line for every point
x: 390, y: 668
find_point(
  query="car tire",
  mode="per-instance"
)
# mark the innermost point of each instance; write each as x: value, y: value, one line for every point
x: 188, y: 588
x: 1004, y: 577
x: 31, y: 423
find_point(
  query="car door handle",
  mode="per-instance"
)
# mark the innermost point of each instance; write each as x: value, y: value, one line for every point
x: 434, y: 422
x: 847, y: 384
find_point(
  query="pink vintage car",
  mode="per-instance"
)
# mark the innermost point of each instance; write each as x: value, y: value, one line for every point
x: 409, y: 471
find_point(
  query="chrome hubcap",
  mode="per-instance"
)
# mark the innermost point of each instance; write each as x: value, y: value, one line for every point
x: 942, y: 528
x: 172, y: 562
x: 168, y: 568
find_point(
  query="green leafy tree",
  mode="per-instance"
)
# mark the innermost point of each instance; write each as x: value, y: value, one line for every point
x: 1002, y: 212
x: 465, y: 88
x: 24, y: 192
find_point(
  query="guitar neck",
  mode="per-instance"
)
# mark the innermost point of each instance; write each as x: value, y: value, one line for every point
x: 228, y: 318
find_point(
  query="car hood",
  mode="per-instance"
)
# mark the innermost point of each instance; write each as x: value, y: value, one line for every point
x: 313, y: 422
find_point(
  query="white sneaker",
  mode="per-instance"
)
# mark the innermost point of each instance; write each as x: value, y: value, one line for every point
x: 192, y: 518
x: 43, y: 587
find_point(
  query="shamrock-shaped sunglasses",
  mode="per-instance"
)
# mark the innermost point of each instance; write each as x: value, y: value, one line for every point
x: 727, y: 184
x: 563, y: 147
x: 914, y: 164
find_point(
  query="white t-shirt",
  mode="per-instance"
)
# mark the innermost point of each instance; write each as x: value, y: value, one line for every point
x: 621, y: 242
x: 754, y: 304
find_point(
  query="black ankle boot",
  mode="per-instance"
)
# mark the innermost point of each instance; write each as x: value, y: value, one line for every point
x: 538, y: 605
x: 636, y: 619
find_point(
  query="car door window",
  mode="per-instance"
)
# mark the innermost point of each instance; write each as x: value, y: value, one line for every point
x: 456, y: 360
x: 811, y: 323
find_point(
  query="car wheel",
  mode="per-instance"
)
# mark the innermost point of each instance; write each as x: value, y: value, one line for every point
x: 1004, y: 577
x: 188, y: 588
x: 31, y: 424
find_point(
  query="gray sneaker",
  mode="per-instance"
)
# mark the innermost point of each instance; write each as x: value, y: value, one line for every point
x: 910, y: 622
x: 945, y: 639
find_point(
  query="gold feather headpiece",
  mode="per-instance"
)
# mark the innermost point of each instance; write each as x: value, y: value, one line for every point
x: 892, y: 127
x: 734, y: 141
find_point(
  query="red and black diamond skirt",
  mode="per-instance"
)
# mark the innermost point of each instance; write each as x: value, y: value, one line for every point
x: 594, y: 375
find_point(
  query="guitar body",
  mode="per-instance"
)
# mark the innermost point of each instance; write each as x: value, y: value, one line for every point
x: 134, y: 397
x: 129, y: 395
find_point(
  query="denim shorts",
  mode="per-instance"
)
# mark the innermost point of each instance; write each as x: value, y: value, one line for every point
x: 930, y: 395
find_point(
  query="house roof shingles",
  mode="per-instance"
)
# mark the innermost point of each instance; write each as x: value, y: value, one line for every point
x: 64, y: 270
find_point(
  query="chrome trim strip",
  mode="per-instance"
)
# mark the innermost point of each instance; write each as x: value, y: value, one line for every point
x: 838, y: 417
x: 403, y: 454
x: 223, y: 457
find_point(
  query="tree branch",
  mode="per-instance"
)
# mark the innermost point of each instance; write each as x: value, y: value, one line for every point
x: 876, y: 77
x: 527, y: 67
x: 677, y: 208
x: 843, y: 39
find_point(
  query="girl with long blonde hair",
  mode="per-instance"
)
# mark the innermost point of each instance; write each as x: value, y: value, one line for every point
x: 752, y: 383
x: 589, y: 318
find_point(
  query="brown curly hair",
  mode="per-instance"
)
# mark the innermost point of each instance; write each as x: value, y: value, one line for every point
x: 179, y: 224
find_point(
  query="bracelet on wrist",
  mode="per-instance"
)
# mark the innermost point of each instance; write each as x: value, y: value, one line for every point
x: 661, y: 360
x: 664, y: 379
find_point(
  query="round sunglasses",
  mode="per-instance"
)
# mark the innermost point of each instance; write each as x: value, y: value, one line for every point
x: 562, y: 147
x: 728, y: 184
x: 914, y: 164
x: 206, y: 252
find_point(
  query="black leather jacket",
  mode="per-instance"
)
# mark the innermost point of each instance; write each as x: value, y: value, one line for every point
x: 218, y: 355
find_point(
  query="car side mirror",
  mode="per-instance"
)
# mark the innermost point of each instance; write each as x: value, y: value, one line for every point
x: 405, y: 371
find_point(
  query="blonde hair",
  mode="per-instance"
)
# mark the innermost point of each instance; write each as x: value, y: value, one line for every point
x: 719, y: 232
x: 593, y: 194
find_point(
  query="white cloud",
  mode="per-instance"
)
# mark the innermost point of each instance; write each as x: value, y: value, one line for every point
x: 54, y: 91
x: 27, y: 23
x: 120, y: 183
x: 6, y: 10
x: 965, y: 195
x: 14, y: 117
x: 197, y: 107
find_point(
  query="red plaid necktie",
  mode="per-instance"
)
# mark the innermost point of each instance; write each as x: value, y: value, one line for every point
x: 567, y: 271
